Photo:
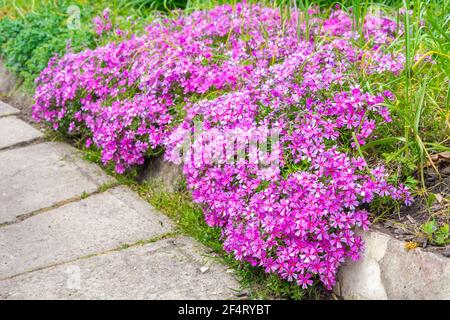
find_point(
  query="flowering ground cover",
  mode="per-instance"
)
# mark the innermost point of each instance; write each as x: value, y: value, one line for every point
x: 291, y: 123
x: 242, y: 68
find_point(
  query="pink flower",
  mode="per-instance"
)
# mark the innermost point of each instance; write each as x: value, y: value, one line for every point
x: 262, y: 125
x: 304, y: 280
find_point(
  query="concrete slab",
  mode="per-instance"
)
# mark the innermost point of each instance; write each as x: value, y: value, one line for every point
x: 7, y: 110
x: 96, y: 224
x: 41, y: 175
x: 14, y: 131
x: 167, y: 269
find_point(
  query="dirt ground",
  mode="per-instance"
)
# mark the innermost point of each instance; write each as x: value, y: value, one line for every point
x: 406, y: 225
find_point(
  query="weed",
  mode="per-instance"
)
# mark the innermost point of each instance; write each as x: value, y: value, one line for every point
x: 438, y: 235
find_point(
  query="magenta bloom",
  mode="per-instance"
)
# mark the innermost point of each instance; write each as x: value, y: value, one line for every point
x: 291, y: 209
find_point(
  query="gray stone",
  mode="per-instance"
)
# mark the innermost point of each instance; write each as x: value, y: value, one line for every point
x: 7, y: 110
x: 96, y: 224
x: 388, y: 271
x: 8, y: 81
x: 167, y: 269
x: 21, y: 99
x: 15, y: 94
x: 166, y: 175
x: 42, y: 175
x: 14, y: 131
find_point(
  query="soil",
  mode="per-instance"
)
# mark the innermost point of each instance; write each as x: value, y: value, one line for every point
x: 406, y: 224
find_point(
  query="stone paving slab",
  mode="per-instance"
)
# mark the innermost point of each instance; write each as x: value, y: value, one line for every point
x: 167, y: 269
x: 96, y: 224
x: 41, y: 175
x: 7, y: 110
x: 14, y: 131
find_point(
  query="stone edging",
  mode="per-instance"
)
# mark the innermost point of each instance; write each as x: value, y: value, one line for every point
x: 387, y: 270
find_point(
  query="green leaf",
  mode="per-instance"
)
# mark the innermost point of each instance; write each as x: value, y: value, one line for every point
x: 429, y: 227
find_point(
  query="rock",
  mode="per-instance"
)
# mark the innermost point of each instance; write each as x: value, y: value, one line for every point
x: 8, y: 81
x: 7, y: 110
x: 14, y: 131
x: 42, y: 175
x: 388, y: 271
x: 362, y: 280
x: 166, y: 175
x: 16, y: 95
x: 22, y: 100
x: 167, y: 269
x: 96, y: 224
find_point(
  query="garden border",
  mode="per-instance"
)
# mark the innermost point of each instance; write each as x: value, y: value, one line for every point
x: 386, y: 270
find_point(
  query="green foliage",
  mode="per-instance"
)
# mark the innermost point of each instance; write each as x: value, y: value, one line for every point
x: 41, y: 55
x: 37, y: 30
x: 421, y: 112
x: 160, y: 5
x: 9, y: 29
x: 27, y: 43
x: 438, y: 235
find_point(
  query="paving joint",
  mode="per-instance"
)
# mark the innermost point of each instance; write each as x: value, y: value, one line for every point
x: 122, y: 247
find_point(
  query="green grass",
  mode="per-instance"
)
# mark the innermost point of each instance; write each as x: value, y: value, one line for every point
x: 421, y: 115
x: 31, y: 32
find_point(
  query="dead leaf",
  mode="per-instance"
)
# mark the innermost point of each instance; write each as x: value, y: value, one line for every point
x: 411, y: 245
x: 438, y: 158
x: 445, y: 156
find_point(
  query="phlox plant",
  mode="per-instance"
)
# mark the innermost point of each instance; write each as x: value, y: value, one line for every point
x: 244, y: 68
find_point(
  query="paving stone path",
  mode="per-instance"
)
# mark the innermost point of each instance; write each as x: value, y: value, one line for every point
x: 66, y: 233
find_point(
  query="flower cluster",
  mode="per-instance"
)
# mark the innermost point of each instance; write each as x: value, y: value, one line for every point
x: 102, y: 23
x: 244, y: 72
